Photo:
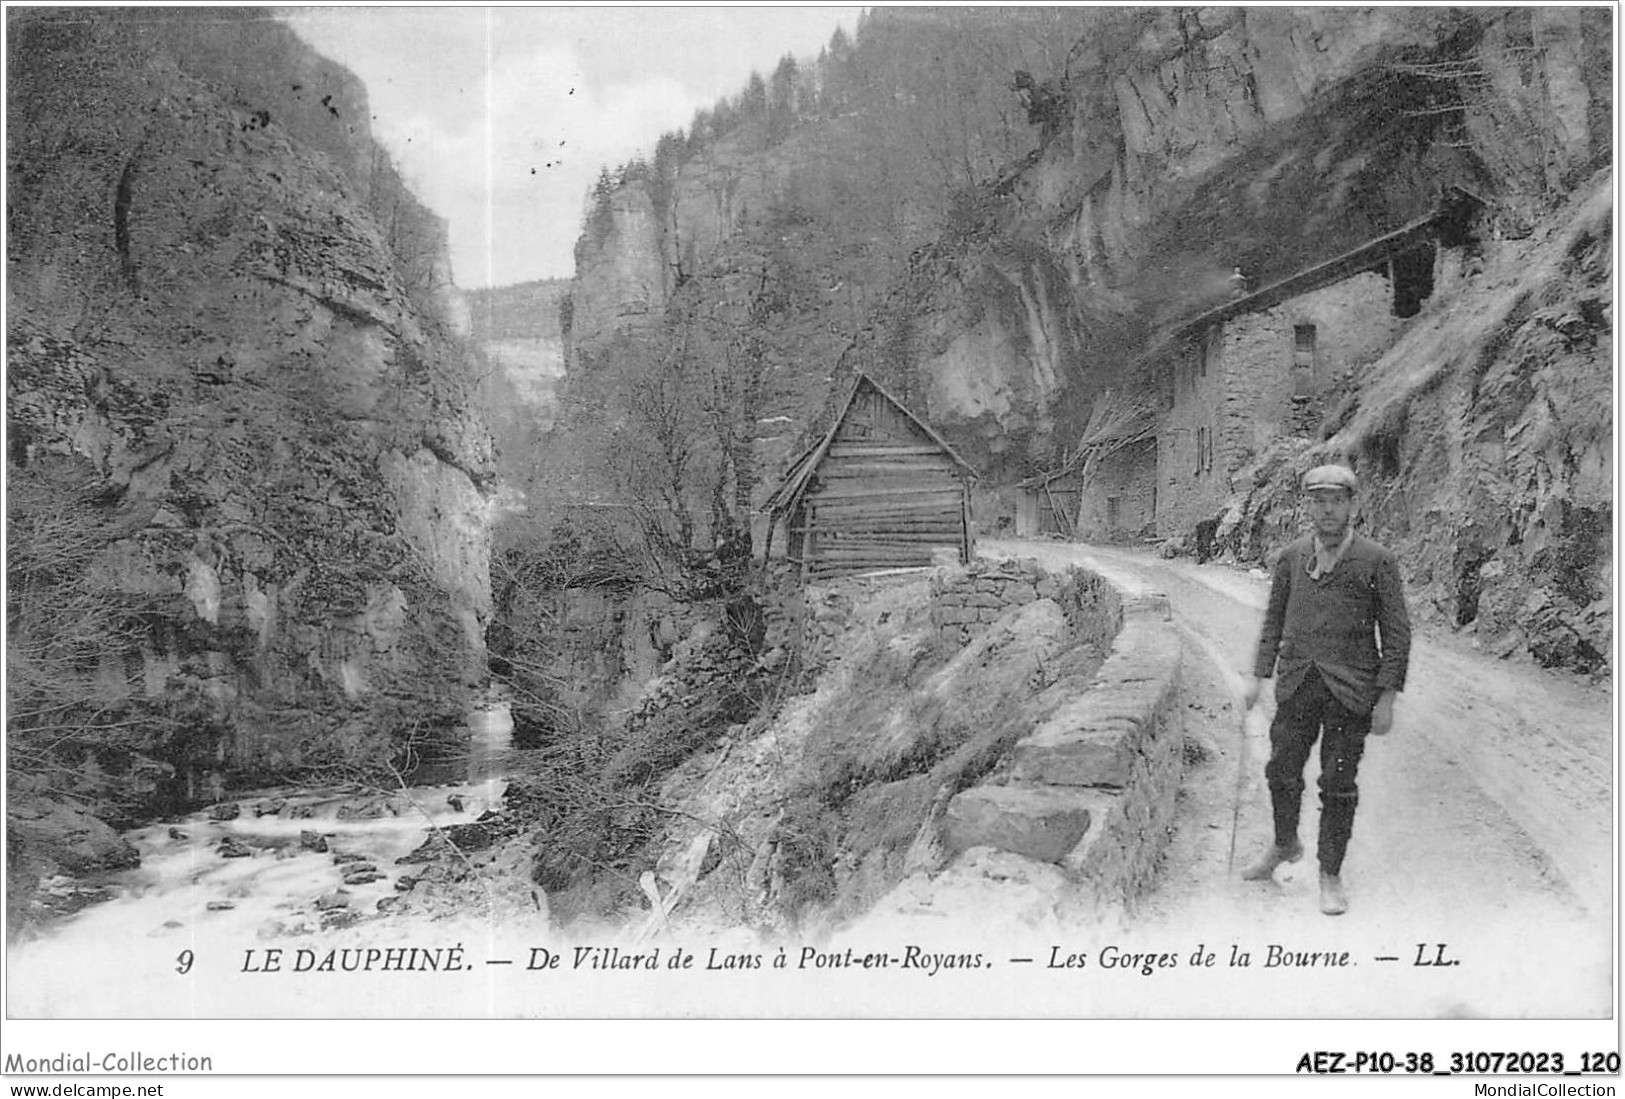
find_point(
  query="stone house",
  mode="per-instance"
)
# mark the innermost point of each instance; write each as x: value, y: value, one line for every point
x: 1275, y: 362
x: 1120, y: 503
x: 1107, y: 494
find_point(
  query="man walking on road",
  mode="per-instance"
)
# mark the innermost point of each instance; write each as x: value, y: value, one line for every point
x: 1337, y: 635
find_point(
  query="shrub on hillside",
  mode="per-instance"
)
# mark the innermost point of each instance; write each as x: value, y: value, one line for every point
x: 74, y: 725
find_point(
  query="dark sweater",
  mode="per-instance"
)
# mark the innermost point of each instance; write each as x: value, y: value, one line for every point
x: 1350, y: 625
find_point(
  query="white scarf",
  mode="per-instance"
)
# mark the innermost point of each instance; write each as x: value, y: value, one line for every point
x: 1325, y: 558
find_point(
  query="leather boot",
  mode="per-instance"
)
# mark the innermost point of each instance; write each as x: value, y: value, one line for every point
x: 1336, y: 826
x: 1333, y: 901
x: 1264, y: 868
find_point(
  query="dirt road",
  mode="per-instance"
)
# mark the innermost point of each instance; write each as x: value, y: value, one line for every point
x: 1486, y: 817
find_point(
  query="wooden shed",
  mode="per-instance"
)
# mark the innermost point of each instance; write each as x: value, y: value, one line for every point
x: 879, y: 490
x: 1048, y: 504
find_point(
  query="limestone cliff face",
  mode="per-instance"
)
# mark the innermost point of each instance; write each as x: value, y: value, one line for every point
x: 721, y: 193
x: 1195, y: 87
x: 621, y: 276
x: 648, y: 238
x: 266, y: 394
x: 1203, y: 88
x: 518, y: 330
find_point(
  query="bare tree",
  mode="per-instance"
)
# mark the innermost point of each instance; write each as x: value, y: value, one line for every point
x: 70, y: 634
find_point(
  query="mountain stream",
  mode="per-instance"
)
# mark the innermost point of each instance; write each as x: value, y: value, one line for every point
x: 267, y: 868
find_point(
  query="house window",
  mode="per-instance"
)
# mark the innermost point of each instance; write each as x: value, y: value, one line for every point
x: 1303, y: 359
x: 1303, y: 345
x: 1112, y: 503
x: 1204, y: 449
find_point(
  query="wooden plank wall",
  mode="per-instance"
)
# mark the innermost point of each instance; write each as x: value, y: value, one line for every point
x: 1048, y: 521
x: 1036, y: 508
x: 885, y: 495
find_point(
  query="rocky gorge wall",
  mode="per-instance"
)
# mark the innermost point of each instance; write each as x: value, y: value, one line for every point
x: 518, y: 329
x: 621, y: 278
x: 230, y: 337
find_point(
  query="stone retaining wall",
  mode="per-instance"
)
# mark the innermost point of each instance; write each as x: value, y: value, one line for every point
x: 965, y: 602
x: 810, y: 620
x: 1093, y: 786
x: 807, y: 621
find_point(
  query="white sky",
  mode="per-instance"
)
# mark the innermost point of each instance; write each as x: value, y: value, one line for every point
x: 501, y: 117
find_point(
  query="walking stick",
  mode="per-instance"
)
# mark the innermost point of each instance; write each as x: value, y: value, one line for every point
x: 1241, y: 781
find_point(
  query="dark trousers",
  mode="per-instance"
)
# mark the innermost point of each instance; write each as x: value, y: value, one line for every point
x: 1313, y: 712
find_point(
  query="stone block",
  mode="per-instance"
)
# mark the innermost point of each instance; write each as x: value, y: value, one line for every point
x: 1099, y: 851
x: 982, y: 599
x: 1040, y: 824
x: 1021, y: 594
x: 1105, y: 706
x: 1098, y: 755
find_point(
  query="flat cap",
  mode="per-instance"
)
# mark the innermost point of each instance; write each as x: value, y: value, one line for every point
x: 1330, y: 477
